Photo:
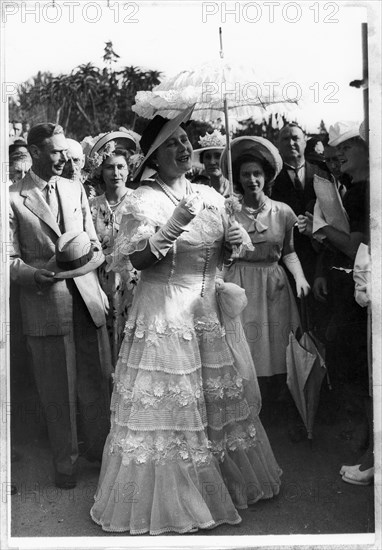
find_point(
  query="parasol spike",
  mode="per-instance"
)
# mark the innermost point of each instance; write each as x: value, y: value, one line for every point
x: 221, y: 42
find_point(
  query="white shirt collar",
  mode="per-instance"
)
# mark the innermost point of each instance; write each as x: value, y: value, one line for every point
x: 41, y: 184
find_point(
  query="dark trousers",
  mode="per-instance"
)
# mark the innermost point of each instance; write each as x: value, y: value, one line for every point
x: 347, y: 335
x: 70, y: 378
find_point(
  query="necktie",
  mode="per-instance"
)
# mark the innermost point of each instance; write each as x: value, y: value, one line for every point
x: 297, y: 182
x: 51, y: 199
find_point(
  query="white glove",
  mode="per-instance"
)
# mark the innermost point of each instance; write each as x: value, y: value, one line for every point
x: 293, y: 264
x: 164, y: 238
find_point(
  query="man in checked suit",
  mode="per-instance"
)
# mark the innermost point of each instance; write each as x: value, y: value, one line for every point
x: 63, y: 319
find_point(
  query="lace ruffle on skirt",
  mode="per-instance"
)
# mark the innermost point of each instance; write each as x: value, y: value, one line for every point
x: 186, y: 446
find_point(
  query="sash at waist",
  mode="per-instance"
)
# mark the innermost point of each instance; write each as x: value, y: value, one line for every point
x: 191, y: 279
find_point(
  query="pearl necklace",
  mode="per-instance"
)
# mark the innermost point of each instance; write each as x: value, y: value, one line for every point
x: 175, y: 199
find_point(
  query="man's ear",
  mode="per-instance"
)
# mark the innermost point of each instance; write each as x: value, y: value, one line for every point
x: 34, y: 151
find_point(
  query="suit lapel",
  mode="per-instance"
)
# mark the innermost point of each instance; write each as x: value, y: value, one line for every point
x: 309, y: 173
x: 288, y: 179
x: 35, y: 202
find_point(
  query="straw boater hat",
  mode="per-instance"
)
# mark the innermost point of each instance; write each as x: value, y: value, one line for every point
x: 156, y: 132
x: 342, y: 131
x: 256, y: 146
x: 213, y: 141
x: 74, y: 256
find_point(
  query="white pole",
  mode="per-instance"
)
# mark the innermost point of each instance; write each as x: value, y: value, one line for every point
x: 227, y: 128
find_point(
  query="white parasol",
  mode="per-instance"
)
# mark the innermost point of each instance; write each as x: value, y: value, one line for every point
x: 214, y: 87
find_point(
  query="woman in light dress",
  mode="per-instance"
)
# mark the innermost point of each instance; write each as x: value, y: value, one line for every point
x: 186, y: 448
x: 107, y: 211
x: 271, y: 312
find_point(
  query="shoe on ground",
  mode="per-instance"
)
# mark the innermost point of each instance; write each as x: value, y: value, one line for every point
x: 358, y: 477
x: 63, y: 481
x: 346, y: 468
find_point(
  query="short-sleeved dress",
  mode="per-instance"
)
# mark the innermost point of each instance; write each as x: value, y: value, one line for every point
x: 186, y: 446
x: 119, y: 287
x: 271, y: 312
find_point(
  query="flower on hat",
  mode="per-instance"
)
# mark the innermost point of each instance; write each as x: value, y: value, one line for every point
x: 96, y: 159
x: 214, y: 139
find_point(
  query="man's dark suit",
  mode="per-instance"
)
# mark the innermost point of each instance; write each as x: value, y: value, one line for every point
x: 300, y: 201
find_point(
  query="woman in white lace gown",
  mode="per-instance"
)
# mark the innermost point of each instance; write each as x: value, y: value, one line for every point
x: 186, y: 447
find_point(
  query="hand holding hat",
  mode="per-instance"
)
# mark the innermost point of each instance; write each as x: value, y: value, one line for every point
x: 75, y: 256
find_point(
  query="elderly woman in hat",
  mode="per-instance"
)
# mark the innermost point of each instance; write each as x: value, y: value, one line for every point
x: 209, y: 154
x: 111, y: 169
x: 271, y: 312
x: 186, y: 447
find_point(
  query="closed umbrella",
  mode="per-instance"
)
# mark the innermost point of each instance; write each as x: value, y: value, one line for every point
x: 305, y: 372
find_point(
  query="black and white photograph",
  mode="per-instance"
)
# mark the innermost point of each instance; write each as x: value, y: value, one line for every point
x: 190, y: 284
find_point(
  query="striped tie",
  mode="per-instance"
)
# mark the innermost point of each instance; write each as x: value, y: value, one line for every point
x: 51, y: 199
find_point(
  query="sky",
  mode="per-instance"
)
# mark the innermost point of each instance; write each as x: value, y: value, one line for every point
x: 316, y: 46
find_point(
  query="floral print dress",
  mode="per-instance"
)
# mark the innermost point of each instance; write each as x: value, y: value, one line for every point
x: 119, y: 287
x: 186, y: 447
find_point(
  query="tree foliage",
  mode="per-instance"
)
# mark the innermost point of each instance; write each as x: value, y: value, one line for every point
x: 88, y: 100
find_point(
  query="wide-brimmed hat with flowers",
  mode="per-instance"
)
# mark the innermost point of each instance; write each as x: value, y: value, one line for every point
x: 211, y: 141
x: 258, y: 147
x: 156, y: 132
x: 97, y: 149
x: 74, y: 256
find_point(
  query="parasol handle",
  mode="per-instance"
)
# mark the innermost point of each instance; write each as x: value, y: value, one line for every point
x: 221, y: 42
x: 228, y: 142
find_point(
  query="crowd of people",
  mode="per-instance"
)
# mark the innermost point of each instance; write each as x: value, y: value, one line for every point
x: 133, y: 260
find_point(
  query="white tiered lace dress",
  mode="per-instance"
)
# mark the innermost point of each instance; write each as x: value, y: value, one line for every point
x: 186, y: 446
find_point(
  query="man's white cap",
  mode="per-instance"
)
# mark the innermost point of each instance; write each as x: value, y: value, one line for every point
x: 342, y: 131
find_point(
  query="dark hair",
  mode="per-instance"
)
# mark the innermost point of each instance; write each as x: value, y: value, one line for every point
x: 16, y: 145
x: 268, y: 172
x: 201, y: 156
x: 45, y: 130
x: 311, y: 144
